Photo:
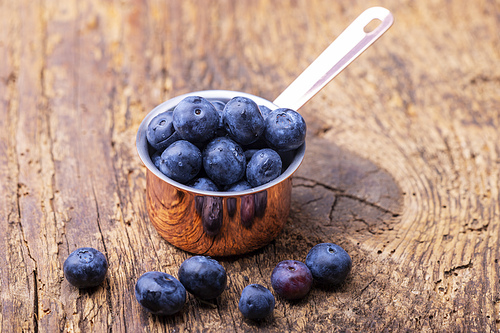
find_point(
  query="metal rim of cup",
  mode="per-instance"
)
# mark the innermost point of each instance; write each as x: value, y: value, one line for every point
x: 223, y: 95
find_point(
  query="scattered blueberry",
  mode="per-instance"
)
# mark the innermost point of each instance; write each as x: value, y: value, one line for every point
x: 291, y: 279
x: 181, y: 161
x: 196, y: 119
x: 264, y: 166
x: 160, y: 131
x: 329, y: 263
x: 85, y: 267
x: 285, y: 129
x: 160, y: 293
x: 256, y: 302
x: 243, y: 121
x: 203, y: 277
x: 224, y: 161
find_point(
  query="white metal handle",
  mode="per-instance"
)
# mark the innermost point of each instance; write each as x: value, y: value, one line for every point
x: 341, y: 52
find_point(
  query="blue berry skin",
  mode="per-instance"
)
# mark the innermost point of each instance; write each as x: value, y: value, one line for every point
x: 242, y: 185
x: 196, y: 119
x: 203, y: 183
x: 256, y: 302
x: 285, y: 130
x: 329, y: 263
x: 85, y: 267
x: 160, y: 293
x: 247, y: 208
x: 219, y: 106
x: 160, y: 133
x: 243, y: 121
x: 203, y: 277
x: 181, y: 161
x: 224, y: 161
x: 249, y: 153
x: 156, y: 158
x: 291, y: 279
x: 264, y: 166
x: 265, y: 111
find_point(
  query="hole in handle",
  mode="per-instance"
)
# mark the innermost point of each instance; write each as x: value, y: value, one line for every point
x: 372, y: 25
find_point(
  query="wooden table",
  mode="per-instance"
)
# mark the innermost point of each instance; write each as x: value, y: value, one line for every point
x: 402, y: 165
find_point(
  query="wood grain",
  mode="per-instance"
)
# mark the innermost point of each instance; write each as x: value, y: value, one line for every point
x: 402, y: 166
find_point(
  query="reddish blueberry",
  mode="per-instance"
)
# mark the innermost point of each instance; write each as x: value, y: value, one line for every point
x: 291, y: 279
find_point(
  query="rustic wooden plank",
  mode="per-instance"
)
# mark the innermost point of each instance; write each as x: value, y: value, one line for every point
x: 18, y: 276
x: 401, y: 167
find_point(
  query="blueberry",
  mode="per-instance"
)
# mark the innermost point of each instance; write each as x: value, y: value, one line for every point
x: 219, y: 106
x: 212, y: 214
x: 203, y: 277
x: 181, y: 161
x: 205, y: 184
x: 265, y: 111
x: 249, y: 153
x: 161, y: 132
x: 196, y: 119
x: 85, y: 267
x: 285, y: 129
x: 291, y: 279
x: 242, y: 185
x: 243, y: 121
x: 256, y: 302
x: 224, y: 161
x: 329, y: 263
x: 160, y: 293
x: 156, y: 158
x: 264, y: 166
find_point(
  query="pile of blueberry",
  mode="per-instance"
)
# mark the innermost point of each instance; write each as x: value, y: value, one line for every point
x: 205, y: 278
x: 233, y: 146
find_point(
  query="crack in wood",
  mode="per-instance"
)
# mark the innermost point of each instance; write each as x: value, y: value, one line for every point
x: 450, y: 271
x: 341, y: 193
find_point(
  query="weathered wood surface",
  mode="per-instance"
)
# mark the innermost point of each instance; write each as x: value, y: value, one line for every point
x: 402, y: 166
